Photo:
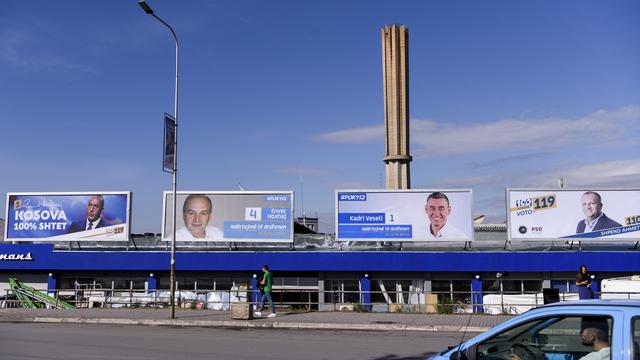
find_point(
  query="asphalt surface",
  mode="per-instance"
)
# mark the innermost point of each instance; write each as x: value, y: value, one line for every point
x: 20, y: 341
x: 310, y: 321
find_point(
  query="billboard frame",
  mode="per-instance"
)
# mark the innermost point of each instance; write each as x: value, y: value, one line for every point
x: 291, y: 193
x: 507, y: 198
x: 471, y: 207
x: 63, y: 193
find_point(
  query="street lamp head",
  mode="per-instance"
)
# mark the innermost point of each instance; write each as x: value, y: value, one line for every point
x: 145, y: 7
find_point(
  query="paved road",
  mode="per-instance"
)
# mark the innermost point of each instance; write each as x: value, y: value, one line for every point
x: 95, y: 342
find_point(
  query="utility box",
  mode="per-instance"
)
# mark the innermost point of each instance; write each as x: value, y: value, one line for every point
x: 550, y: 295
x: 431, y: 300
x: 241, y: 311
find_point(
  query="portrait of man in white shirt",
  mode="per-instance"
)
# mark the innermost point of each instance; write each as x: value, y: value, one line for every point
x: 438, y: 210
x: 196, y: 213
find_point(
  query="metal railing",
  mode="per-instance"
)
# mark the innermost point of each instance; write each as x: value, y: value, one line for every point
x: 443, y: 302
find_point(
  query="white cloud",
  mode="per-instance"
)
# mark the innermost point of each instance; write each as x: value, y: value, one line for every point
x: 438, y: 138
x: 498, y: 161
x: 8, y: 47
x: 30, y: 49
x: 433, y: 139
x: 361, y: 135
x: 467, y: 182
x: 305, y: 171
x: 616, y: 173
x: 349, y: 185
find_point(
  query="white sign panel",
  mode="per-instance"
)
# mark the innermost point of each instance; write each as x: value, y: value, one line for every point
x: 234, y: 216
x: 68, y: 216
x: 585, y: 214
x: 404, y: 215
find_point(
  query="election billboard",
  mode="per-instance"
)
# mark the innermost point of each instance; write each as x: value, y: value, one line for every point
x: 232, y: 216
x: 580, y: 214
x: 86, y: 216
x: 404, y: 215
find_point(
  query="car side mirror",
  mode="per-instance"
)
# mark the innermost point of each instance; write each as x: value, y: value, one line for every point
x: 458, y: 355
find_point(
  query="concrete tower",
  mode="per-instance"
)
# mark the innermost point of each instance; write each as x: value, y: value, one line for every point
x: 395, y: 69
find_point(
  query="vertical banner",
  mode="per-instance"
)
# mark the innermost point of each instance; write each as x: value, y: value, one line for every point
x: 169, y: 142
x: 581, y: 214
x: 404, y: 215
x: 240, y: 216
x: 95, y: 216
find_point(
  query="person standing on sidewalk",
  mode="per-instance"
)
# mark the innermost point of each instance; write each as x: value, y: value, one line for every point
x: 266, y: 285
x: 583, y: 282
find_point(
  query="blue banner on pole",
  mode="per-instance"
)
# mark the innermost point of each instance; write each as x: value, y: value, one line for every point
x: 169, y: 144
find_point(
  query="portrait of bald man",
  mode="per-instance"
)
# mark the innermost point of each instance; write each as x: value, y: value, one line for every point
x: 594, y: 219
x: 94, y: 219
x: 196, y: 213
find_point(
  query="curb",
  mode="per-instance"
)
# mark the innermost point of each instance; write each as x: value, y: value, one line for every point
x: 251, y: 325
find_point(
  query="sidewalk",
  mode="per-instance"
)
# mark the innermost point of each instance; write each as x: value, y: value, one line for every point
x: 209, y: 318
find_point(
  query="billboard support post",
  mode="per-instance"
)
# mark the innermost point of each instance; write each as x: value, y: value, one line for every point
x: 172, y: 275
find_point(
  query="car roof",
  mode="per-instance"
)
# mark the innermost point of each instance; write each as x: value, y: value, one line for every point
x: 595, y: 303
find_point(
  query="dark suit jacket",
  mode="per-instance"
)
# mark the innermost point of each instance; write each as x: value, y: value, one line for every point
x: 81, y: 225
x: 603, y: 223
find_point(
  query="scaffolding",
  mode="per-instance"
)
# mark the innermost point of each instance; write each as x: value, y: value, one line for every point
x: 34, y: 299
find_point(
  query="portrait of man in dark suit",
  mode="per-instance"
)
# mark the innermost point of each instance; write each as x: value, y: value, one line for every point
x: 94, y: 218
x: 594, y: 219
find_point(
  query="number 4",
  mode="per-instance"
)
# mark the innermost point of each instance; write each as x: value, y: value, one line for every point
x: 253, y: 214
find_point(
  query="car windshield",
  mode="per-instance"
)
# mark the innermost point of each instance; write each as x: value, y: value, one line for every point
x: 554, y: 337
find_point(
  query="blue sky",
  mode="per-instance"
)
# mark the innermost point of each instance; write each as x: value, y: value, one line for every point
x: 502, y: 94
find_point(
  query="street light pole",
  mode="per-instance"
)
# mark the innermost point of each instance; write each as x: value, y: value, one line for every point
x: 172, y: 276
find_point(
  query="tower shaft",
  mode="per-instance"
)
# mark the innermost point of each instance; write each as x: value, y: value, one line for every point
x: 395, y: 69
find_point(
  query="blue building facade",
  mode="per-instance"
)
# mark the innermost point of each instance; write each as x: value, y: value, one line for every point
x: 346, y: 275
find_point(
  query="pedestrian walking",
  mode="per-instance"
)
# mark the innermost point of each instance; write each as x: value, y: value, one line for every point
x: 583, y: 282
x: 266, y: 285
